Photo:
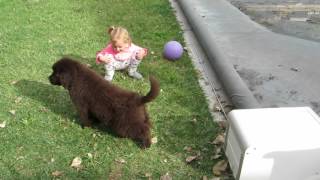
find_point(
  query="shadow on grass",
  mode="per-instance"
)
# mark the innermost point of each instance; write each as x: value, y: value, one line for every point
x: 52, y: 97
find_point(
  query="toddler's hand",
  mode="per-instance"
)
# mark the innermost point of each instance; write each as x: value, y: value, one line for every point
x: 141, y: 54
x: 105, y: 59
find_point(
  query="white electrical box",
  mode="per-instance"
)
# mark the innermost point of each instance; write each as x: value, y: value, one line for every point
x: 274, y: 144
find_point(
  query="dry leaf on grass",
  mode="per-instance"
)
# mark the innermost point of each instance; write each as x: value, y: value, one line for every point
x: 13, y: 82
x: 17, y: 100
x: 187, y: 148
x: 220, y: 139
x: 217, y: 156
x: 3, y: 124
x: 13, y: 112
x: 217, y: 150
x: 120, y: 160
x: 43, y: 109
x: 148, y: 175
x: 220, y: 167
x: 189, y: 159
x: 194, y: 120
x: 223, y: 124
x: 20, y: 157
x: 76, y: 163
x: 90, y: 156
x: 217, y: 109
x: 154, y: 140
x: 166, y: 177
x: 57, y: 173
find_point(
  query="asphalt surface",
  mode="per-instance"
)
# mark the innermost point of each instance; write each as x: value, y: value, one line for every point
x: 278, y: 1
x: 276, y: 70
x: 294, y: 18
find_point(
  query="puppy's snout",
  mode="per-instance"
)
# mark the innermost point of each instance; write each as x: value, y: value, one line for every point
x: 50, y: 79
x: 53, y: 80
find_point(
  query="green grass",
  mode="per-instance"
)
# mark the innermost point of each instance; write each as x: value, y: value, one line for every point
x: 43, y: 135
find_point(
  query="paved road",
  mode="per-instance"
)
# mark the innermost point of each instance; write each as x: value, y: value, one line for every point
x: 278, y: 1
x: 302, y: 22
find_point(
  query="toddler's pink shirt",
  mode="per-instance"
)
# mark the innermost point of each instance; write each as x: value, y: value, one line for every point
x: 126, y: 55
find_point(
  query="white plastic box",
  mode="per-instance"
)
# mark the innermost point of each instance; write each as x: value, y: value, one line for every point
x: 274, y: 144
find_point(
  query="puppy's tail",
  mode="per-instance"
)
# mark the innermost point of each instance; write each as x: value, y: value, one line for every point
x: 154, y: 91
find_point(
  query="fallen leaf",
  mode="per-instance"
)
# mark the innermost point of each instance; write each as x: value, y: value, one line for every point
x: 217, y: 109
x: 20, y: 157
x: 18, y: 99
x: 191, y: 158
x: 148, y: 175
x: 76, y: 163
x: 187, y: 148
x: 13, y: 112
x: 89, y: 155
x: 57, y: 173
x: 166, y: 177
x: 194, y: 120
x: 43, y: 109
x: 154, y: 140
x: 122, y: 161
x: 223, y: 124
x: 205, y: 149
x: 13, y: 82
x: 217, y: 150
x: 3, y: 124
x: 220, y: 167
x: 217, y: 156
x: 219, y: 139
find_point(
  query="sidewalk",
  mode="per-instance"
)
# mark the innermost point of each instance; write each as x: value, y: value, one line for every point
x: 256, y: 67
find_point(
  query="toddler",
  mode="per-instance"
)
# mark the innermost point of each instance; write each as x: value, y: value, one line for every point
x: 121, y: 53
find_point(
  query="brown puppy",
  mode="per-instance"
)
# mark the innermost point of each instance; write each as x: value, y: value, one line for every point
x: 95, y: 98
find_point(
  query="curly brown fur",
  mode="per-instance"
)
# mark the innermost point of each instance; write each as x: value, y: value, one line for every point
x: 121, y: 110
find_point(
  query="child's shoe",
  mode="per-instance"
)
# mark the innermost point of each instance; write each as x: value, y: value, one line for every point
x: 135, y: 75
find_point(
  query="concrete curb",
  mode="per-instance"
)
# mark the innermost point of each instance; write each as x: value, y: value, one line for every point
x: 238, y: 92
x: 257, y: 67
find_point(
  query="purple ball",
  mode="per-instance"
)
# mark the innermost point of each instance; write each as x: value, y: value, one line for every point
x: 172, y: 50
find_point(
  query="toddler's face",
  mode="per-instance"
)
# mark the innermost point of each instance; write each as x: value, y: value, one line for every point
x: 120, y: 46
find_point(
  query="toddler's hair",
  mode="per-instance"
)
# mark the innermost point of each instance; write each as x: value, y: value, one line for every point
x: 119, y: 34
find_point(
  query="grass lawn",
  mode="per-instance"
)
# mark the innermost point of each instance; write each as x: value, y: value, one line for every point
x: 41, y: 136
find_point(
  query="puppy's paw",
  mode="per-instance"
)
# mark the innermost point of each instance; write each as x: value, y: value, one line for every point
x: 145, y: 143
x: 86, y: 125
